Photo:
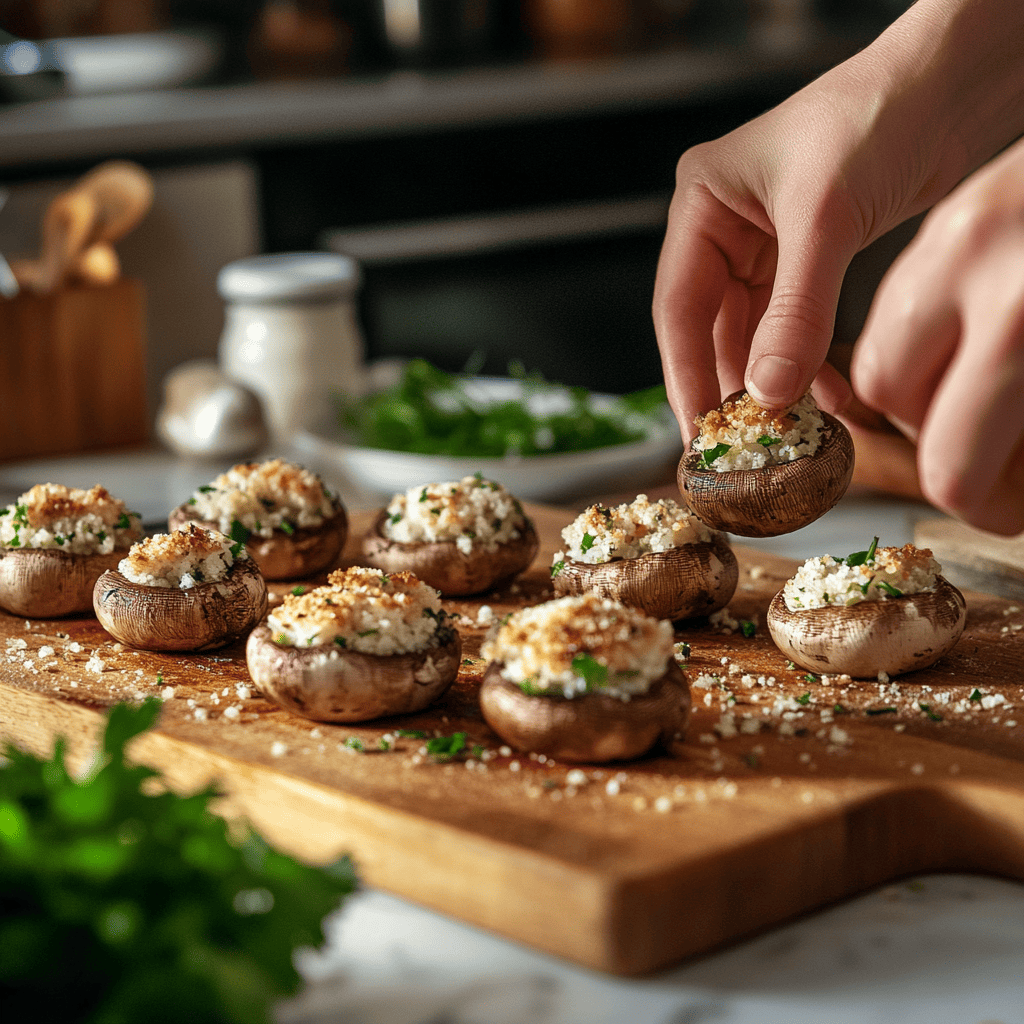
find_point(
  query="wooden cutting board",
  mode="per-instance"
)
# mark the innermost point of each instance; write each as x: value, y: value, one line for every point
x: 777, y: 802
x: 973, y: 558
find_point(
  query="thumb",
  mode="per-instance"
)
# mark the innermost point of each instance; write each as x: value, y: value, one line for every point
x: 795, y: 331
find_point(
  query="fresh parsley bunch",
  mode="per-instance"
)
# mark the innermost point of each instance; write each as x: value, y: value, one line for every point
x: 122, y: 902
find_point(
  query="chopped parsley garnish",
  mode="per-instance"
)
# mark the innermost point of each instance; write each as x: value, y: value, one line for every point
x: 590, y: 670
x: 840, y: 710
x: 557, y: 568
x: 709, y: 455
x: 809, y: 677
x: 684, y: 649
x: 889, y: 589
x: 444, y: 748
x: 975, y: 695
x: 355, y: 743
x: 206, y: 489
x: 299, y: 590
x: 532, y: 689
x: 747, y: 628
x: 862, y: 557
x: 880, y: 711
x: 587, y: 542
x: 287, y: 528
x: 367, y: 632
x: 791, y: 665
x: 383, y: 743
x: 767, y: 440
x: 124, y: 522
x: 423, y: 494
x: 341, y: 641
x: 239, y: 532
x: 281, y: 640
x: 804, y: 698
x: 413, y: 734
x: 235, y: 548
x: 927, y: 709
x: 395, y: 517
x: 467, y: 661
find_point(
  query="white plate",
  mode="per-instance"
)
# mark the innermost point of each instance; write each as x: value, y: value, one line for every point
x: 370, y: 474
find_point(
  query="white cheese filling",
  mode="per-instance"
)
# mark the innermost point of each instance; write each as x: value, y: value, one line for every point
x: 583, y: 644
x: 882, y: 574
x: 600, y: 534
x: 183, y: 558
x: 69, y: 519
x: 474, y: 513
x: 362, y: 610
x: 742, y: 435
x: 263, y: 497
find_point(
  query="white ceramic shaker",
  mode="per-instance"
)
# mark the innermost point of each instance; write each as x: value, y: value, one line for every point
x: 291, y: 334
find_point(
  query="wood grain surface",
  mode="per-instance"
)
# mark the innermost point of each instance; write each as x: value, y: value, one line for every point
x: 788, y: 793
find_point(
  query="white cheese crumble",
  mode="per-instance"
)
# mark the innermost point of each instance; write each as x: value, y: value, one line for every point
x: 600, y: 533
x: 582, y: 644
x: 263, y: 497
x: 362, y: 610
x: 471, y: 512
x: 69, y: 519
x: 883, y: 573
x: 744, y: 436
x: 181, y: 558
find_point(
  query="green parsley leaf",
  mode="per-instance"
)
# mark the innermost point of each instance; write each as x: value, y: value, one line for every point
x: 287, y: 528
x: 557, y: 568
x: 239, y: 532
x: 531, y: 689
x: 975, y: 695
x: 383, y: 743
x: 299, y: 590
x: 710, y: 455
x: 767, y: 440
x: 889, y: 589
x: 355, y: 743
x: 590, y: 670
x: 587, y: 542
x: 413, y: 734
x: 880, y: 711
x: 927, y: 709
x: 444, y: 748
x: 747, y: 628
x: 804, y: 698
x: 684, y: 649
x: 862, y: 557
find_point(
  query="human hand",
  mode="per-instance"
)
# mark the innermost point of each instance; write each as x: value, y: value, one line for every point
x: 764, y: 221
x: 942, y: 352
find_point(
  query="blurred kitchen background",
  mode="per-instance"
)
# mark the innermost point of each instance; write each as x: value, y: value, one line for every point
x: 500, y: 168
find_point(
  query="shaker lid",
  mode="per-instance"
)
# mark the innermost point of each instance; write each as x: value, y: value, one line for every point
x: 289, y: 277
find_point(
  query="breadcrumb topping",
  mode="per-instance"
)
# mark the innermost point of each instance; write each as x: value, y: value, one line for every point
x: 363, y: 610
x: 181, y: 558
x: 69, y: 519
x: 263, y: 497
x: 574, y: 645
x: 883, y: 574
x: 742, y: 435
x: 473, y: 512
x: 600, y: 533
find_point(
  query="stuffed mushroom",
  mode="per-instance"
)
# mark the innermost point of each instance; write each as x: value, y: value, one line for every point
x: 289, y: 522
x: 880, y: 610
x: 654, y: 556
x: 55, y: 542
x: 462, y: 537
x: 584, y: 678
x: 760, y: 473
x: 189, y: 590
x: 365, y: 645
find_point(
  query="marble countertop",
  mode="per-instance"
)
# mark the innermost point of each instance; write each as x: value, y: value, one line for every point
x: 940, y: 949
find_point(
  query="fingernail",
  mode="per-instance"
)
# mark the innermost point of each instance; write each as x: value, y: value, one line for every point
x: 774, y: 380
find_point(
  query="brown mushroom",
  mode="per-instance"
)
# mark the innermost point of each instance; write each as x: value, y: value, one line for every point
x: 594, y: 727
x: 444, y: 566
x: 47, y: 583
x: 681, y: 583
x: 894, y: 635
x: 284, y: 555
x: 330, y: 684
x: 775, y: 499
x: 204, y: 617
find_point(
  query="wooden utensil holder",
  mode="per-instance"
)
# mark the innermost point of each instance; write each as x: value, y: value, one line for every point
x: 74, y: 374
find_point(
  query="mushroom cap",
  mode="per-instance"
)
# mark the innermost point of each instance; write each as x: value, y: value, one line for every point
x: 339, y: 685
x: 591, y: 727
x: 204, y: 617
x: 46, y: 583
x: 284, y: 556
x: 682, y: 583
x: 776, y: 499
x: 440, y: 563
x: 895, y: 635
